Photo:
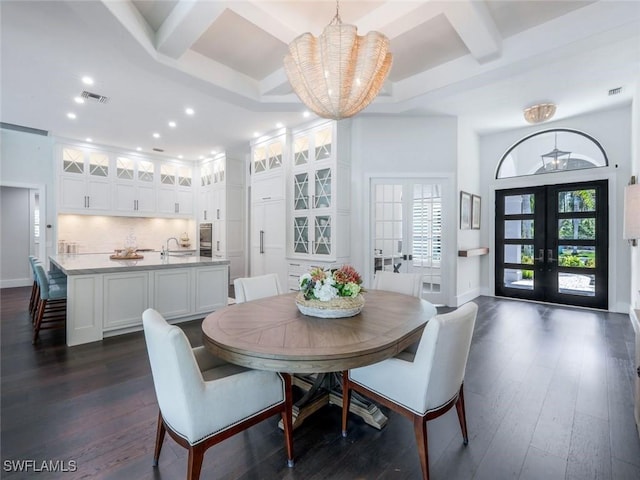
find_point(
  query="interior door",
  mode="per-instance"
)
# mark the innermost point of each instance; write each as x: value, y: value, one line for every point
x: 407, y: 231
x: 552, y: 243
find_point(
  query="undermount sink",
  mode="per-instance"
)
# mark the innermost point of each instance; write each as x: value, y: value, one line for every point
x: 180, y: 253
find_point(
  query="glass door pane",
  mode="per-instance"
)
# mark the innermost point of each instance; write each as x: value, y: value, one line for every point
x: 322, y: 198
x: 322, y: 227
x: 301, y: 234
x: 301, y: 191
x: 407, y: 232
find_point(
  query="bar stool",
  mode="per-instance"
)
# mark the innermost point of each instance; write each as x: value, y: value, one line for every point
x: 55, y: 277
x: 51, y: 307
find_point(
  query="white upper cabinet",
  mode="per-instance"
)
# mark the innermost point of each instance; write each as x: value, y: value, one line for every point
x: 134, y: 188
x: 85, y: 178
x: 175, y: 193
x: 267, y: 169
x: 92, y: 181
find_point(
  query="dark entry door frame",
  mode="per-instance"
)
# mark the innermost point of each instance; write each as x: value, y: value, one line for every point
x: 552, y: 243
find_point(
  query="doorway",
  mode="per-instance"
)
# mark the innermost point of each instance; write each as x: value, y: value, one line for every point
x: 552, y: 243
x: 407, y: 231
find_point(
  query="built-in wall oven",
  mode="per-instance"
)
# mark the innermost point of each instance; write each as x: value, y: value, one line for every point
x: 205, y: 239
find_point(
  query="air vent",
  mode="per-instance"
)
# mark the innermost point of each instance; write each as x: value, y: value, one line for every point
x: 158, y: 150
x: 94, y: 96
x: 615, y: 91
x: 20, y: 128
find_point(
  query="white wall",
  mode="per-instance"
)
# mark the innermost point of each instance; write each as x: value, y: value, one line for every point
x: 387, y: 146
x: 15, y: 233
x: 468, y: 273
x: 27, y: 159
x: 612, y: 128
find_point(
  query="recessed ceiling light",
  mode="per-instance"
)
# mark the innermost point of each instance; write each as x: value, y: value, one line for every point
x: 172, y: 124
x: 78, y: 100
x: 87, y: 80
x: 71, y: 115
x: 279, y: 125
x: 214, y: 152
x: 189, y: 111
x: 201, y: 157
x: 156, y: 135
x: 306, y: 113
x: 89, y: 139
x: 180, y: 157
x: 138, y: 149
x: 256, y: 134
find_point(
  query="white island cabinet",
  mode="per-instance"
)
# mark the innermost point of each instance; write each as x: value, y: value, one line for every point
x: 107, y: 297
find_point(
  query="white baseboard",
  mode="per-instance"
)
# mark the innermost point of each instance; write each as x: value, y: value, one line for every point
x: 16, y: 282
x: 467, y: 296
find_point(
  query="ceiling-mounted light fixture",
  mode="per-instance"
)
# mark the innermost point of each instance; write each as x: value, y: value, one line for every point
x: 555, y: 159
x: 339, y: 73
x: 539, y: 113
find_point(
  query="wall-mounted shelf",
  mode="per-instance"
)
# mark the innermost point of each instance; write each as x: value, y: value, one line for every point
x: 473, y: 252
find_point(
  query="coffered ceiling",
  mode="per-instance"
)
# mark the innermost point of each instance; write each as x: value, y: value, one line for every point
x: 481, y: 60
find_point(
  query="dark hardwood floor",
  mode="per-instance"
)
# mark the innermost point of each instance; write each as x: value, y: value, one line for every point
x: 548, y: 394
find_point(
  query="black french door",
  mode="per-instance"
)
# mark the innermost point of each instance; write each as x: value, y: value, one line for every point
x: 552, y: 243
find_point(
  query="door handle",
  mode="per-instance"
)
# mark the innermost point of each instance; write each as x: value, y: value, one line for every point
x: 540, y: 257
x: 261, y: 241
x: 550, y: 258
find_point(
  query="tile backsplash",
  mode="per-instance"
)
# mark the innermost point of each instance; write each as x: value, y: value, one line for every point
x: 104, y: 234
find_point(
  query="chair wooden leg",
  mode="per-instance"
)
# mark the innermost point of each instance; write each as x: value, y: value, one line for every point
x: 160, y: 433
x: 32, y: 300
x: 462, y: 416
x: 420, y: 430
x: 194, y: 462
x: 287, y: 419
x: 346, y: 400
x: 42, y: 304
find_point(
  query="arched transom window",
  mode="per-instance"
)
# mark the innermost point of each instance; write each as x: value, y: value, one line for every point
x: 550, y: 151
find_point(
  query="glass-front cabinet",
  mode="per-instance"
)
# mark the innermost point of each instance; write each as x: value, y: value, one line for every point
x: 267, y: 157
x: 313, y: 209
x: 85, y: 180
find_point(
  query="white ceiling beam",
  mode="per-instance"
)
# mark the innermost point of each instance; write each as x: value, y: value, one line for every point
x: 187, y: 22
x: 131, y: 19
x: 264, y: 18
x: 473, y: 22
x: 393, y: 18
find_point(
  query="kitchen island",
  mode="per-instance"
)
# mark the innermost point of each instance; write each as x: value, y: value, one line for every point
x: 106, y: 297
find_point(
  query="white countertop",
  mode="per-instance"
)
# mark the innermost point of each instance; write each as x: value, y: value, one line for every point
x: 93, y: 263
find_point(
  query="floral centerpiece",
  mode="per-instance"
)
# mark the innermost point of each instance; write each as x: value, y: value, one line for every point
x: 330, y: 293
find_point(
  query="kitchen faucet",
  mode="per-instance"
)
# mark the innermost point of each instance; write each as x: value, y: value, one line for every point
x: 172, y: 238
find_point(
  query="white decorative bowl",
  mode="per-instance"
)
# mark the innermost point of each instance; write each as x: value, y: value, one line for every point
x: 340, y: 307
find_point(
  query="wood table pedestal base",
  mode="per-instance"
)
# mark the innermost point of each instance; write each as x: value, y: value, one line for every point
x: 325, y: 389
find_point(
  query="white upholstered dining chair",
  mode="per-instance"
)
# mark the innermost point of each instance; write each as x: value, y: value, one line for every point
x: 253, y: 288
x: 426, y: 387
x: 406, y: 283
x: 204, y: 400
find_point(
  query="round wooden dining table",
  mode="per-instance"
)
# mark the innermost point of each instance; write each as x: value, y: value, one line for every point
x: 271, y: 334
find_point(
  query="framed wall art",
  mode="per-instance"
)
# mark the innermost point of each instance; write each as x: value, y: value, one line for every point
x: 465, y: 210
x: 475, y: 212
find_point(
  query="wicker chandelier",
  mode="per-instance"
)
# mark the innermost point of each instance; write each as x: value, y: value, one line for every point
x: 339, y: 73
